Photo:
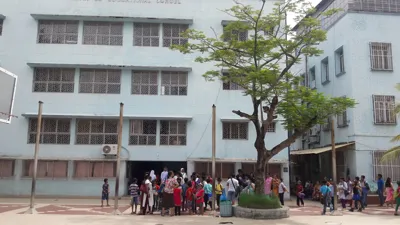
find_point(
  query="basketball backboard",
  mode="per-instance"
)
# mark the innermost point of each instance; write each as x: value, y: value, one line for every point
x: 8, y: 84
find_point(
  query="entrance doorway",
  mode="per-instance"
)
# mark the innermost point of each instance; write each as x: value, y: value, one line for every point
x: 137, y: 169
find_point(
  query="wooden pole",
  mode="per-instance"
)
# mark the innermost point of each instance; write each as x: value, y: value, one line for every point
x: 121, y: 121
x: 31, y: 209
x: 213, y: 155
x: 335, y: 197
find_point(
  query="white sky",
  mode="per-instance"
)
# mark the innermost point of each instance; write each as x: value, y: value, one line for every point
x: 290, y: 17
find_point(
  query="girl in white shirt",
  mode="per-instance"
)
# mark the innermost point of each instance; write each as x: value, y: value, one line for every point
x: 282, y: 189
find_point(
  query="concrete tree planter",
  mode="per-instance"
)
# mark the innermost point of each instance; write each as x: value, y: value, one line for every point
x: 261, y: 214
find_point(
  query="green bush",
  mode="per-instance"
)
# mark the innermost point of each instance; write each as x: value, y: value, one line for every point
x: 254, y: 201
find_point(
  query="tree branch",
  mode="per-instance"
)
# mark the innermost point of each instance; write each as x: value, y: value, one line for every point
x: 270, y: 114
x: 242, y: 114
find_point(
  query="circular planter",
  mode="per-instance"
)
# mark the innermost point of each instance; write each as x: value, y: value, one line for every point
x: 261, y: 214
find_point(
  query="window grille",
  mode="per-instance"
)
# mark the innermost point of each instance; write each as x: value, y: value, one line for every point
x: 174, y: 83
x: 172, y: 34
x: 173, y: 132
x: 96, y: 132
x: 389, y: 168
x: 7, y: 167
x: 143, y: 132
x: 47, y: 168
x: 327, y: 126
x: 271, y: 127
x: 144, y: 82
x: 381, y: 56
x: 146, y: 34
x: 103, y: 33
x: 94, y: 169
x: 53, y: 131
x: 324, y: 71
x: 236, y: 35
x: 53, y: 80
x: 58, y: 32
x: 313, y: 83
x: 235, y: 131
x: 339, y: 61
x: 229, y: 85
x: 100, y: 81
x: 384, y: 109
x: 1, y: 27
x: 386, y: 6
x: 342, y: 119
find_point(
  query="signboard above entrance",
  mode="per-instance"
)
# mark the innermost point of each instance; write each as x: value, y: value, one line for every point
x: 166, y: 2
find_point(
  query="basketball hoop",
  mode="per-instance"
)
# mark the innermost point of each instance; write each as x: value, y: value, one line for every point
x: 8, y: 84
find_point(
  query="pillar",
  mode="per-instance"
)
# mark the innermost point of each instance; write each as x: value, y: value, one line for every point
x: 238, y: 166
x: 286, y: 179
x: 190, y: 168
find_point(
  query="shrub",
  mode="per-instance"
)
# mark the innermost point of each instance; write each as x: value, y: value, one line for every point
x: 254, y: 201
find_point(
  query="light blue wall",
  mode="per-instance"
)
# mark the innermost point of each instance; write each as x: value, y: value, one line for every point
x: 18, y: 47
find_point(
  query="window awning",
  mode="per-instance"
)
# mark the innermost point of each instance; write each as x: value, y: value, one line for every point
x: 111, y: 18
x: 108, y: 116
x: 319, y: 150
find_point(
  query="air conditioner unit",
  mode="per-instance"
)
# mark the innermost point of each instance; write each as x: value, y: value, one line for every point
x: 109, y: 149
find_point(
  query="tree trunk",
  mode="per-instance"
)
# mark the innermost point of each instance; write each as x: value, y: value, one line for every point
x: 259, y: 174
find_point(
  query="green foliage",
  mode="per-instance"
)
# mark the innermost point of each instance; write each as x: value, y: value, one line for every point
x: 259, y: 201
x: 262, y: 64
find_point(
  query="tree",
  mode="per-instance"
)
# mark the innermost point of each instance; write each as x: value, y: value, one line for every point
x: 261, y: 64
x: 393, y: 153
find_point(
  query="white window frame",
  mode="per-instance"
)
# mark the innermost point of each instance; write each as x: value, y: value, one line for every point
x: 169, y: 40
x: 136, y: 130
x: 101, y: 36
x: 169, y: 84
x: 339, y: 62
x: 312, y: 78
x: 92, y: 135
x: 386, y: 104
x: 139, y: 34
x: 239, y: 34
x: 230, y: 85
x: 235, y: 125
x: 381, y: 56
x: 57, y: 135
x: 65, y: 83
x: 69, y: 34
x: 175, y: 124
x: 97, y: 86
x: 142, y: 82
x: 325, y: 71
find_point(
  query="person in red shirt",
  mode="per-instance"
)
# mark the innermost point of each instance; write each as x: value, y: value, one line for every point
x: 200, y: 198
x: 189, y: 197
x: 178, y: 198
x: 300, y: 194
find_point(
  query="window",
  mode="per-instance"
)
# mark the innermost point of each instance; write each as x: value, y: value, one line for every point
x: 325, y: 71
x: 1, y: 26
x: 174, y: 83
x: 7, y: 167
x: 342, y: 119
x: 339, y: 61
x: 94, y: 169
x: 172, y: 34
x: 271, y: 127
x: 389, y: 168
x: 100, y: 81
x: 229, y: 85
x: 312, y: 78
x: 53, y: 80
x: 381, y: 56
x: 384, y: 109
x: 146, y: 34
x: 47, y: 168
x: 102, y: 33
x: 327, y: 126
x: 235, y: 35
x: 144, y: 82
x: 172, y: 132
x: 58, y: 32
x: 96, y: 132
x: 53, y: 131
x: 235, y: 131
x: 143, y: 132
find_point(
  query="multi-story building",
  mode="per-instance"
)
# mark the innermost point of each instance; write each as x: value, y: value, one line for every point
x: 359, y: 61
x: 82, y: 58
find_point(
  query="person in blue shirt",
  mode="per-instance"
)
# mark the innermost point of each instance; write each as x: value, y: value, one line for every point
x: 326, y: 197
x: 380, y: 190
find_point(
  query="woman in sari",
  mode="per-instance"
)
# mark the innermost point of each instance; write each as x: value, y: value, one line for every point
x: 316, y: 193
x: 275, y: 185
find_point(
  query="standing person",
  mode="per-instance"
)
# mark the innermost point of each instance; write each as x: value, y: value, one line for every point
x: 152, y: 176
x: 178, y: 198
x: 349, y: 197
x: 144, y: 195
x: 184, y: 188
x: 105, y: 192
x: 232, y: 185
x: 156, y: 189
x: 342, y: 192
x: 189, y: 198
x: 183, y: 174
x: 168, y: 194
x: 357, y: 193
x: 268, y: 184
x: 218, y: 190
x: 381, y: 190
x: 316, y: 195
x: 275, y: 185
x: 207, y: 194
x: 134, y: 191
x: 325, y: 197
x: 200, y: 198
x: 281, y: 190
x: 331, y: 186
x: 300, y: 194
x: 150, y: 187
x: 397, y: 199
x: 164, y: 175
x: 389, y: 192
x: 365, y: 188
